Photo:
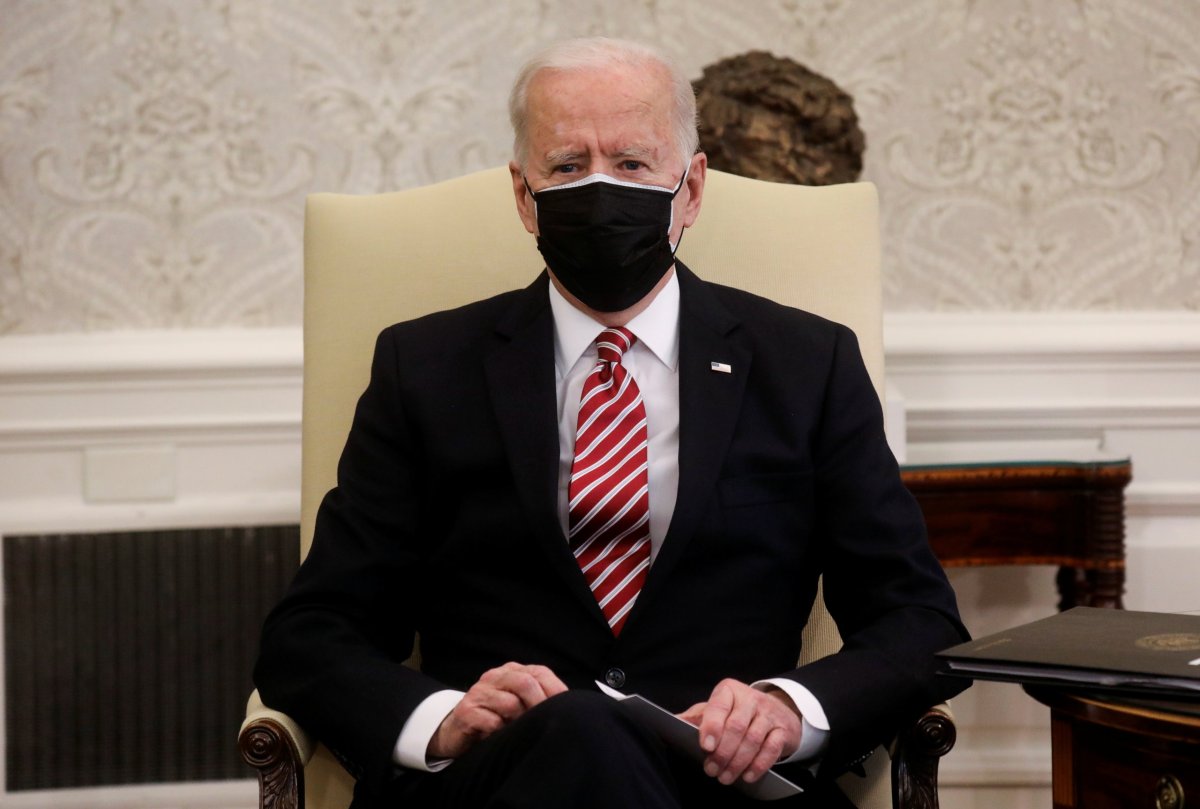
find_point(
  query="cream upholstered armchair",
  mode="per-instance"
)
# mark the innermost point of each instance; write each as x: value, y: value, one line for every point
x: 370, y: 261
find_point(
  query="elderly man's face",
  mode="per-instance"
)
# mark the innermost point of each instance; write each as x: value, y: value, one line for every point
x: 615, y: 121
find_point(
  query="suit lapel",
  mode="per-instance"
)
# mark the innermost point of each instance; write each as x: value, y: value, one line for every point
x: 522, y: 386
x: 709, y: 404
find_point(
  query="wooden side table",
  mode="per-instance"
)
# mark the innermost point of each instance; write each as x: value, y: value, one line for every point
x: 1070, y: 514
x: 1111, y: 755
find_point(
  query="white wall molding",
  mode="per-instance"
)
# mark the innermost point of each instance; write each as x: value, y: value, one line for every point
x: 212, y: 415
x: 984, y: 376
x: 152, y: 354
x: 1073, y: 384
x: 199, y: 795
x: 1163, y: 500
x: 1169, y: 334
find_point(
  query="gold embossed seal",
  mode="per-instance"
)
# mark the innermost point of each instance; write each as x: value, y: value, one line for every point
x: 1170, y: 642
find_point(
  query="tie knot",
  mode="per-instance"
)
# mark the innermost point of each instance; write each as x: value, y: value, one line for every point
x: 612, y: 343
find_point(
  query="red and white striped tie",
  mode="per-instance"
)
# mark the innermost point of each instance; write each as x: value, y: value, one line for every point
x: 609, y: 511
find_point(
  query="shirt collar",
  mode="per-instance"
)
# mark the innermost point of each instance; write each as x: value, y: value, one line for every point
x: 656, y: 327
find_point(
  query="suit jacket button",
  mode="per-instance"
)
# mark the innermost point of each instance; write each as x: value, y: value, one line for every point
x: 614, y: 678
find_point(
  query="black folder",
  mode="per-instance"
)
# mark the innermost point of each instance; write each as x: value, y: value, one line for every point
x: 1147, y: 653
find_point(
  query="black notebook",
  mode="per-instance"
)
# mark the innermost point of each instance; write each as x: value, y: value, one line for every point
x: 1089, y: 648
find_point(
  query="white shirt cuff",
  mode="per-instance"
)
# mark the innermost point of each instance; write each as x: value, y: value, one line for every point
x: 814, y: 733
x: 418, y: 730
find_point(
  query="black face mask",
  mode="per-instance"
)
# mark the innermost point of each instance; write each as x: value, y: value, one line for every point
x: 606, y: 241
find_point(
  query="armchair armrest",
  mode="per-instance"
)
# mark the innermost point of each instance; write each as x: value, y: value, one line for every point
x: 272, y: 743
x: 915, y: 755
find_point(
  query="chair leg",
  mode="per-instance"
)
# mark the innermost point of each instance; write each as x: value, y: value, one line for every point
x: 915, y: 761
x: 266, y: 747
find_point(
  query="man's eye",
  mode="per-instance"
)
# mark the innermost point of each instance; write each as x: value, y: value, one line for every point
x: 631, y: 165
x: 566, y: 168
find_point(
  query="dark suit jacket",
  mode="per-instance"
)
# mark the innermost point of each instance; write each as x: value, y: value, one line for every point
x: 444, y: 523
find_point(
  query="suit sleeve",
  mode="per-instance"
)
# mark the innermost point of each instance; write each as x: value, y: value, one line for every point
x: 883, y: 586
x: 333, y: 649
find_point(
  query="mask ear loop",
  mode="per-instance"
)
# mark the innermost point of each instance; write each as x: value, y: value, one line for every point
x: 671, y: 221
x: 532, y: 196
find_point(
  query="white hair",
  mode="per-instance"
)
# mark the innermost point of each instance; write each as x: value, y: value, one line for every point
x: 601, y: 52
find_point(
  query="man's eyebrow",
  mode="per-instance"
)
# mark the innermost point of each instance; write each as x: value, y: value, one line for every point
x: 634, y: 151
x: 563, y: 157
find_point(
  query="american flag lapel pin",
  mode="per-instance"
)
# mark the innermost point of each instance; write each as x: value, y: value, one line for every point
x: 721, y: 368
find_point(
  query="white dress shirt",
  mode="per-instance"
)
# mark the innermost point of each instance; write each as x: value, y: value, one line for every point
x: 653, y: 362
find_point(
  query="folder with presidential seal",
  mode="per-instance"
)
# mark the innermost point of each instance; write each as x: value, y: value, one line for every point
x: 1093, y: 649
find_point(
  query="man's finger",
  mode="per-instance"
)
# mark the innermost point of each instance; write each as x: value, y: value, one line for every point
x: 712, y: 722
x: 465, y: 725
x: 479, y: 722
x: 747, y: 749
x: 738, y: 723
x: 693, y: 714
x: 549, y: 681
x: 770, y: 753
x: 524, y: 685
x: 505, y: 704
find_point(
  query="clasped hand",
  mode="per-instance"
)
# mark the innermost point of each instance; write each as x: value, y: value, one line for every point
x: 501, y: 695
x: 744, y: 731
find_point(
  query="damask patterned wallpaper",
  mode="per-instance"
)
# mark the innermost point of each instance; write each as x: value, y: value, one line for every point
x: 154, y: 154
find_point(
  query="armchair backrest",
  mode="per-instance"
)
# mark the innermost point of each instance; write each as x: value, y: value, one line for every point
x: 370, y: 261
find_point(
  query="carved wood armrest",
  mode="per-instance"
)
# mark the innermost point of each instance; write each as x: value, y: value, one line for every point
x: 272, y: 743
x: 915, y: 758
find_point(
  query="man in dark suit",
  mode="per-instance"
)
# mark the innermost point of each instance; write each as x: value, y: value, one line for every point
x: 622, y: 474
